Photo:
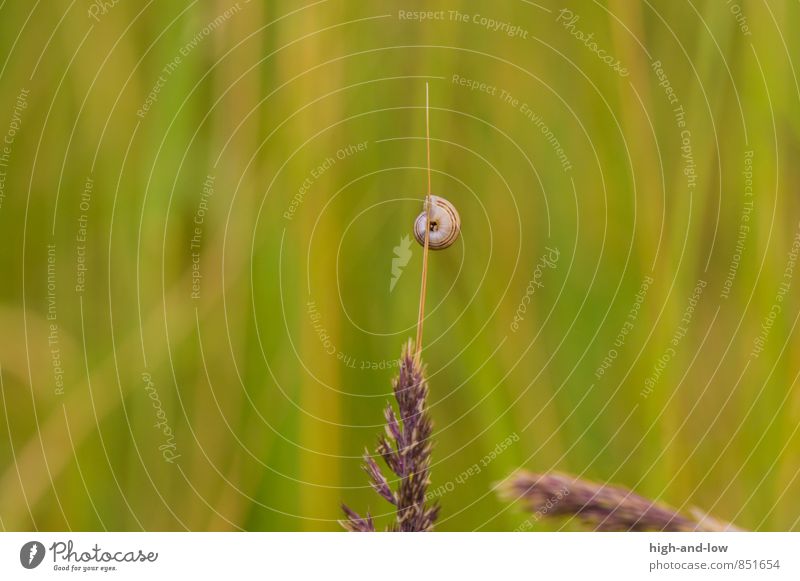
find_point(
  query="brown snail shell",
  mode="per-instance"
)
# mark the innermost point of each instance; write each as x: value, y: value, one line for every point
x: 445, y: 224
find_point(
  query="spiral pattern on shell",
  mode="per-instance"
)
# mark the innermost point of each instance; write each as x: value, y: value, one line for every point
x: 445, y: 224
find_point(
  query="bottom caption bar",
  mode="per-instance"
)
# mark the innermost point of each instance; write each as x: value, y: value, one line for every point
x: 388, y: 556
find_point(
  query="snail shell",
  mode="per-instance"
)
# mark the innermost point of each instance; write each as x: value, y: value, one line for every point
x: 445, y: 224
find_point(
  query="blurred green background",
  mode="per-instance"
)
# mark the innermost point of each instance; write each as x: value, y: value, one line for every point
x: 198, y: 329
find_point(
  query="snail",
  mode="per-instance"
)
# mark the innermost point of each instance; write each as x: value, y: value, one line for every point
x: 445, y: 224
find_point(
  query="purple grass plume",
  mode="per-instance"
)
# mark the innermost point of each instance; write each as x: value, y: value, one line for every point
x: 602, y: 507
x: 406, y: 450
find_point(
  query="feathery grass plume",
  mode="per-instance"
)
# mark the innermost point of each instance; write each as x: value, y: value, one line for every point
x: 406, y: 449
x: 712, y: 524
x: 355, y: 523
x: 605, y: 508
